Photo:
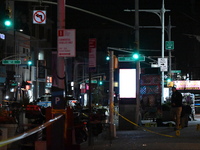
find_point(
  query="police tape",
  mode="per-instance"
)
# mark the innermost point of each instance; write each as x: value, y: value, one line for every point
x: 139, y: 126
x: 30, y: 132
x: 145, y: 129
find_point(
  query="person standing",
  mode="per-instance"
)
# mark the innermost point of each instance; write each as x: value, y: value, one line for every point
x: 176, y: 103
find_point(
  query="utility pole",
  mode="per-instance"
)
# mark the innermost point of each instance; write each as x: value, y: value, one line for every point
x: 169, y: 38
x: 60, y: 139
x: 137, y: 43
x: 61, y: 25
x: 163, y: 40
x: 111, y: 94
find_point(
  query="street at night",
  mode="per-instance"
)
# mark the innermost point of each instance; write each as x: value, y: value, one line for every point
x: 99, y: 74
x: 154, y: 138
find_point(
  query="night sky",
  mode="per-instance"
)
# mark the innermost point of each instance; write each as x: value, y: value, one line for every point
x: 184, y: 18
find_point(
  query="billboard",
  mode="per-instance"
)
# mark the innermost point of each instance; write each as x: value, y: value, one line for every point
x: 127, y: 83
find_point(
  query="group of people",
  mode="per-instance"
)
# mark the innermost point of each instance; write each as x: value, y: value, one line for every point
x: 180, y: 110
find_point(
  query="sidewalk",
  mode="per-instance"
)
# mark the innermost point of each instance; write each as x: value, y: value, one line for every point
x: 154, y: 138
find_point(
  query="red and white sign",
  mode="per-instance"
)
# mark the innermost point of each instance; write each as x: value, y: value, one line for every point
x: 66, y: 43
x: 92, y: 53
x: 39, y: 17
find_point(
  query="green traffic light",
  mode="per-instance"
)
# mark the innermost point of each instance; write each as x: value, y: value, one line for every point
x: 107, y: 58
x: 29, y: 62
x: 169, y: 80
x: 7, y: 23
x: 100, y: 82
x: 136, y: 56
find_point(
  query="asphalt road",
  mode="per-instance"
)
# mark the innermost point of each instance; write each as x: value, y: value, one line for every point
x: 149, y: 138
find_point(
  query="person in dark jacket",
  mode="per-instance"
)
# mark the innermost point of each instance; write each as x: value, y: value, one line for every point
x: 176, y: 102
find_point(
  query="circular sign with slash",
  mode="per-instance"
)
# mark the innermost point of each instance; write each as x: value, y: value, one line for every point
x: 39, y: 16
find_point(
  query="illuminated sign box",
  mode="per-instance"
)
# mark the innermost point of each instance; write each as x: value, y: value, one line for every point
x: 127, y: 83
x: 187, y: 85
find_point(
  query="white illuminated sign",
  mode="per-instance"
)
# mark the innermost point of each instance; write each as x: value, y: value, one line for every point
x: 127, y: 83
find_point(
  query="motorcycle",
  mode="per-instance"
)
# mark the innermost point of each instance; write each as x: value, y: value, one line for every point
x: 81, y: 131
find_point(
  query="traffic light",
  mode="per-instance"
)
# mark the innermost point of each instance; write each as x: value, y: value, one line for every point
x: 115, y: 62
x: 100, y: 83
x: 7, y: 17
x: 107, y: 57
x: 168, y: 80
x: 138, y: 57
x: 29, y: 62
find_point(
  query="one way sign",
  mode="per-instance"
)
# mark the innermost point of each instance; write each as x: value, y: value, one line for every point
x: 162, y: 63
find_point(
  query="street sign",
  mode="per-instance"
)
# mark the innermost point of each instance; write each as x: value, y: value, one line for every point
x: 163, y: 68
x: 92, y: 53
x: 39, y: 17
x: 92, y: 81
x: 130, y: 59
x: 58, y: 101
x: 162, y: 62
x: 66, y: 42
x: 11, y: 62
x: 176, y: 71
x: 17, y: 76
x: 169, y: 45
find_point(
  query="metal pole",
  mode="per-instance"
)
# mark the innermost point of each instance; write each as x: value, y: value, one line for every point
x: 163, y: 38
x: 137, y: 63
x: 169, y: 38
x: 111, y: 93
x: 61, y: 25
x: 90, y: 138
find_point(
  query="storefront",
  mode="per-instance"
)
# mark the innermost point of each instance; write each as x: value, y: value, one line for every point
x: 190, y: 90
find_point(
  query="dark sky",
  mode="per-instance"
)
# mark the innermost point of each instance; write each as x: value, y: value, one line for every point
x: 184, y: 17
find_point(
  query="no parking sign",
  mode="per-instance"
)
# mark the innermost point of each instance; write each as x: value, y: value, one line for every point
x: 39, y: 17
